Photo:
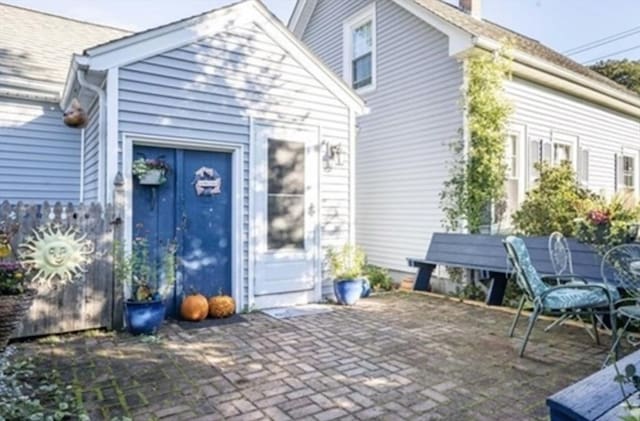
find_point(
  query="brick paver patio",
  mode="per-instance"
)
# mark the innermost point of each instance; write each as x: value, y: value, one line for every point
x: 396, y: 356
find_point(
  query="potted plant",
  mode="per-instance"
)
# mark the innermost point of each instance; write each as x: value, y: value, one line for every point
x: 607, y: 224
x: 150, y: 172
x: 148, y: 281
x: 347, y: 266
x: 15, y: 298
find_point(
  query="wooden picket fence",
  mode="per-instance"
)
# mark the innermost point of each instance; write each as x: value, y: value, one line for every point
x: 87, y: 303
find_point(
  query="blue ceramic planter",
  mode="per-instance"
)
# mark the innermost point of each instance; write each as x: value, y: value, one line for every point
x: 366, y: 288
x: 144, y: 317
x: 348, y: 291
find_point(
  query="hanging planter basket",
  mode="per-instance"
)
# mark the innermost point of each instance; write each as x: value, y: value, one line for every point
x: 153, y: 177
x: 13, y: 308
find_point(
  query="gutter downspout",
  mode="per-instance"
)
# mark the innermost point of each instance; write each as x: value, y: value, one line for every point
x: 102, y: 102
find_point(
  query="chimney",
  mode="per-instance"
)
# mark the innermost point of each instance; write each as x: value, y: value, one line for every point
x: 472, y: 7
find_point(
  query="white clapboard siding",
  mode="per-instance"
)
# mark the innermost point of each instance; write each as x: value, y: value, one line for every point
x: 39, y: 155
x: 209, y: 89
x: 603, y: 132
x: 403, y: 143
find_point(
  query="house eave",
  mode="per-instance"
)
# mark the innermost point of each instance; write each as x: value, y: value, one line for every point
x: 556, y: 77
x: 29, y: 96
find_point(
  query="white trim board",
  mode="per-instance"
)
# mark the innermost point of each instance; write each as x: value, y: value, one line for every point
x: 237, y: 205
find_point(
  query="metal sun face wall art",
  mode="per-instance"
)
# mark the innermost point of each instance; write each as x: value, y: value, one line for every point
x: 56, y: 254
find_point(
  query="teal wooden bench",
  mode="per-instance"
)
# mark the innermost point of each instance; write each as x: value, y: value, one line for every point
x: 487, y: 254
x: 596, y: 397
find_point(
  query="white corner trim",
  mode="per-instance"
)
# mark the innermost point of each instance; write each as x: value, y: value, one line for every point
x: 112, y: 143
x: 361, y: 17
x: 252, y: 237
x: 353, y: 133
x: 237, y: 205
x: 301, y: 16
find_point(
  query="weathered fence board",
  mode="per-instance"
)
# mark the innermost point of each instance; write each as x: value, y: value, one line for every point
x: 86, y: 303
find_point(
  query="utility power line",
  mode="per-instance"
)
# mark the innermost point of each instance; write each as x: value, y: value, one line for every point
x: 612, y: 54
x: 602, y: 41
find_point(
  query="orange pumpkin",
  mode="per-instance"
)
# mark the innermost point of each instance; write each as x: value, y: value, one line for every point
x: 194, y: 308
x: 221, y: 306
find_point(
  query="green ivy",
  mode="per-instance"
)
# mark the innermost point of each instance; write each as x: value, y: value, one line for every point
x: 477, y: 175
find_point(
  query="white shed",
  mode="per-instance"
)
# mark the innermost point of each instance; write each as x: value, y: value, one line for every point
x: 258, y: 136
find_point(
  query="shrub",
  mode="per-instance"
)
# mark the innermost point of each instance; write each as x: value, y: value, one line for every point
x: 554, y: 203
x: 378, y: 277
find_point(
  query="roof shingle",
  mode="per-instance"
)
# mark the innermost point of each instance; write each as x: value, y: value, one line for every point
x: 36, y: 49
x: 495, y: 32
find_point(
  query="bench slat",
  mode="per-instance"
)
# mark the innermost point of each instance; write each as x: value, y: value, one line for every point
x: 593, y: 398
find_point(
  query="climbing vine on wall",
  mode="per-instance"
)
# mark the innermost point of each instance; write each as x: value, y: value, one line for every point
x: 478, y: 171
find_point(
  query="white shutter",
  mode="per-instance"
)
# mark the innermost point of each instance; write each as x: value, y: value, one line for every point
x: 535, y: 156
x: 583, y: 167
x: 547, y: 152
x: 618, y: 170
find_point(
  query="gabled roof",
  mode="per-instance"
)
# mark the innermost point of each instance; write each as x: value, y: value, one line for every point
x: 466, y: 32
x: 135, y: 47
x: 36, y: 49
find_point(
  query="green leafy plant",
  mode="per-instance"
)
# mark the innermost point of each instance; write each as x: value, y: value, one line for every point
x: 347, y: 262
x: 553, y: 203
x: 139, y: 272
x: 378, y: 277
x: 142, y: 166
x: 30, y: 394
x: 478, y: 170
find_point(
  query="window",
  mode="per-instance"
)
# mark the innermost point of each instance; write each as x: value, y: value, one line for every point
x: 286, y: 186
x: 562, y: 152
x: 628, y: 174
x: 513, y: 186
x: 359, y: 66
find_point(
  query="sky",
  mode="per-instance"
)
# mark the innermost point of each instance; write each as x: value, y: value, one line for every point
x: 560, y: 24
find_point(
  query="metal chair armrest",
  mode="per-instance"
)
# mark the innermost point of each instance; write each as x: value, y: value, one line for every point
x: 563, y: 279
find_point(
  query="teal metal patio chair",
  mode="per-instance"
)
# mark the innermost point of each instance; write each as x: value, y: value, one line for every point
x: 620, y: 267
x: 570, y: 298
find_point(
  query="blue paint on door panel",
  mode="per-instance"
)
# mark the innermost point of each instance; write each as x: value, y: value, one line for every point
x: 199, y: 224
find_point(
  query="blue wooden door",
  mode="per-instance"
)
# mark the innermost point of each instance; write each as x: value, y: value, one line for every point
x: 189, y: 210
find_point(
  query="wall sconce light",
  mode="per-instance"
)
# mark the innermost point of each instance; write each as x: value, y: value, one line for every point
x: 333, y: 155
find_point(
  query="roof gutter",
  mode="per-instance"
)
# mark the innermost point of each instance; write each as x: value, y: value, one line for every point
x: 102, y: 128
x: 556, y: 77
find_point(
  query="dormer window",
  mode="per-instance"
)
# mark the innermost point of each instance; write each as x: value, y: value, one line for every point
x: 359, y: 64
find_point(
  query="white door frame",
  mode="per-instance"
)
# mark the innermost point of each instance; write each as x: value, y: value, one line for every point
x: 237, y: 189
x: 263, y: 129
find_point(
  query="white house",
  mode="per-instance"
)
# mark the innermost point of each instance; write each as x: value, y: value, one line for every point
x: 257, y: 132
x: 407, y: 59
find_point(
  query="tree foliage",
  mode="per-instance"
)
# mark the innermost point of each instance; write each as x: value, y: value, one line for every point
x: 477, y: 175
x: 625, y: 72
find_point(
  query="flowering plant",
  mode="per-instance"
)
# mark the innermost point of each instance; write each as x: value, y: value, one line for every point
x: 13, y: 278
x: 607, y: 224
